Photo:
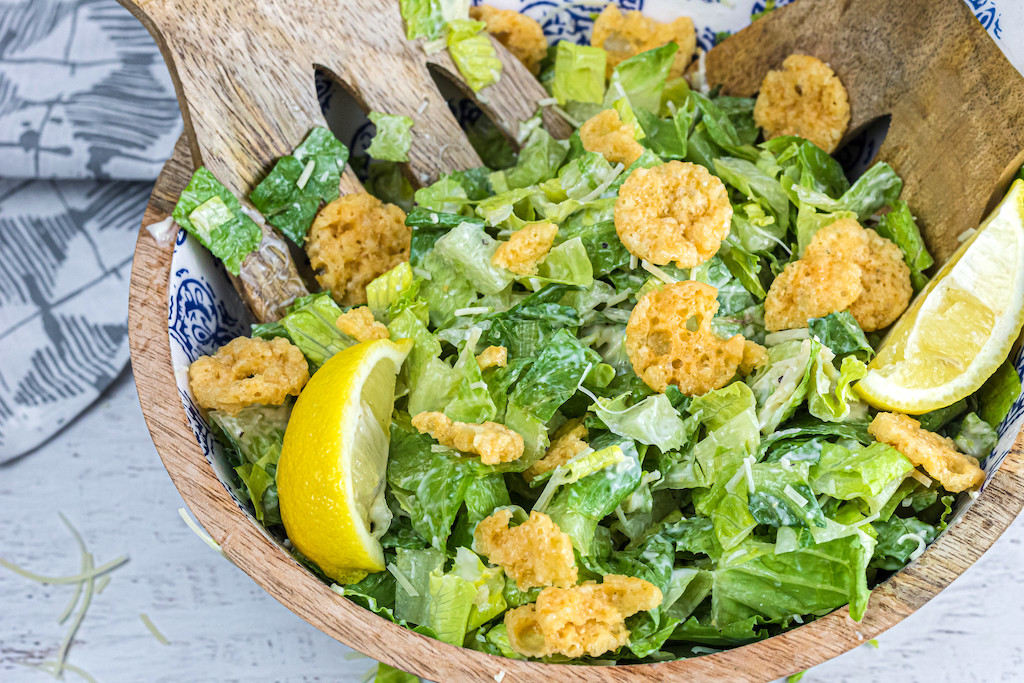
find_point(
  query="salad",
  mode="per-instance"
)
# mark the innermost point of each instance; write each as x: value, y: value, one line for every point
x: 671, y: 385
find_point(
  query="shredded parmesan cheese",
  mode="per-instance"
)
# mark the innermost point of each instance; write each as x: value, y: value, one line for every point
x: 658, y: 272
x: 306, y: 173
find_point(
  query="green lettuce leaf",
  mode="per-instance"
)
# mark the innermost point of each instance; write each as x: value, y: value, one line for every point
x: 416, y: 567
x: 578, y: 507
x: 841, y: 334
x: 579, y: 73
x: 472, y: 402
x: 859, y: 473
x: 389, y: 674
x: 553, y: 376
x: 781, y: 385
x: 473, y: 53
x: 897, y: 541
x: 255, y: 437
x: 526, y: 328
x: 652, y: 421
x: 211, y: 214
x: 756, y: 582
x: 430, y: 486
x: 539, y: 159
x: 641, y: 78
x: 427, y: 18
x: 310, y: 325
x: 469, y: 249
x: 830, y: 396
x: 291, y: 194
x: 998, y: 394
x: 393, y: 137
x: 899, y: 226
x: 975, y: 437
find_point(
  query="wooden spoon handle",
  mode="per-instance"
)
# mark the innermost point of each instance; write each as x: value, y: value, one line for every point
x: 956, y: 102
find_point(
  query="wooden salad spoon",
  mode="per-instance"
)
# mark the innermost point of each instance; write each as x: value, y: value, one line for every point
x: 956, y: 135
x: 244, y: 75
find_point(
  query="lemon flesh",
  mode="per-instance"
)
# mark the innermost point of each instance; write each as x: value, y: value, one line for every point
x: 961, y: 326
x: 330, y: 478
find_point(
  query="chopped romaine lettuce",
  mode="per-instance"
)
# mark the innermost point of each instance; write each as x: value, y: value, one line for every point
x: 291, y: 194
x: 211, y: 214
x: 579, y: 73
x: 998, y: 394
x: 427, y: 18
x: 473, y: 53
x: 975, y: 437
x: 899, y: 226
x: 256, y: 435
x: 393, y: 137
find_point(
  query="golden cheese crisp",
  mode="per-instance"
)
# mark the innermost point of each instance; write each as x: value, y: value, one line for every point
x: 625, y: 35
x: 606, y: 134
x: 494, y: 443
x: 359, y: 324
x: 938, y: 455
x: 492, y: 357
x: 247, y: 372
x: 754, y: 357
x: 669, y: 340
x: 885, y: 277
x: 353, y: 240
x: 806, y: 99
x: 535, y: 553
x: 586, y: 619
x: 566, y: 443
x: 845, y: 267
x: 525, y: 248
x: 811, y: 288
x: 677, y: 212
x: 520, y: 34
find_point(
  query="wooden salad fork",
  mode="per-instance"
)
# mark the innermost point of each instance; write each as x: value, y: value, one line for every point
x: 956, y: 135
x: 244, y: 75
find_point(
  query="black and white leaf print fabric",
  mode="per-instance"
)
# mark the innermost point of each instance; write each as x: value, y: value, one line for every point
x: 87, y: 119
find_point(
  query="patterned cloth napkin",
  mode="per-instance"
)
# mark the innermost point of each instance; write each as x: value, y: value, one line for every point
x: 87, y: 118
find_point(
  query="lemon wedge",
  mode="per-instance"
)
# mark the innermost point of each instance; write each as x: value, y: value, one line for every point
x: 330, y: 478
x: 961, y: 326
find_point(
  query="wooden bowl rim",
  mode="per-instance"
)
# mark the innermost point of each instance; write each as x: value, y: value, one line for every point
x: 249, y: 547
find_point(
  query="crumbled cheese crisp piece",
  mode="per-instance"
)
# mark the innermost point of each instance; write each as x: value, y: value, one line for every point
x: 845, y: 267
x: 607, y: 135
x: 755, y: 357
x: 669, y: 340
x: 625, y: 35
x: 937, y: 454
x: 566, y: 443
x: 673, y: 212
x: 492, y: 357
x: 585, y: 619
x: 535, y: 553
x: 520, y: 34
x: 805, y: 98
x: 359, y: 324
x: 525, y: 248
x: 494, y: 443
x: 247, y: 372
x: 353, y: 240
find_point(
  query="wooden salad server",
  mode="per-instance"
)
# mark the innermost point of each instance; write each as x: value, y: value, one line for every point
x: 244, y: 75
x: 956, y: 135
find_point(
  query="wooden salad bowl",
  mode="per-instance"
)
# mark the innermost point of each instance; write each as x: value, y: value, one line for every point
x: 260, y: 556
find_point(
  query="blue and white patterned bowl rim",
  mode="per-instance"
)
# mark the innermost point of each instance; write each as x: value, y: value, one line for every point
x: 204, y: 311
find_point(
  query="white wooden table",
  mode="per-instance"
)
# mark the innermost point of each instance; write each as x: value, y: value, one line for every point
x: 104, y: 475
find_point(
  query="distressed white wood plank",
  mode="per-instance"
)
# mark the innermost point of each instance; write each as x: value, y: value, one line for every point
x: 104, y: 474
